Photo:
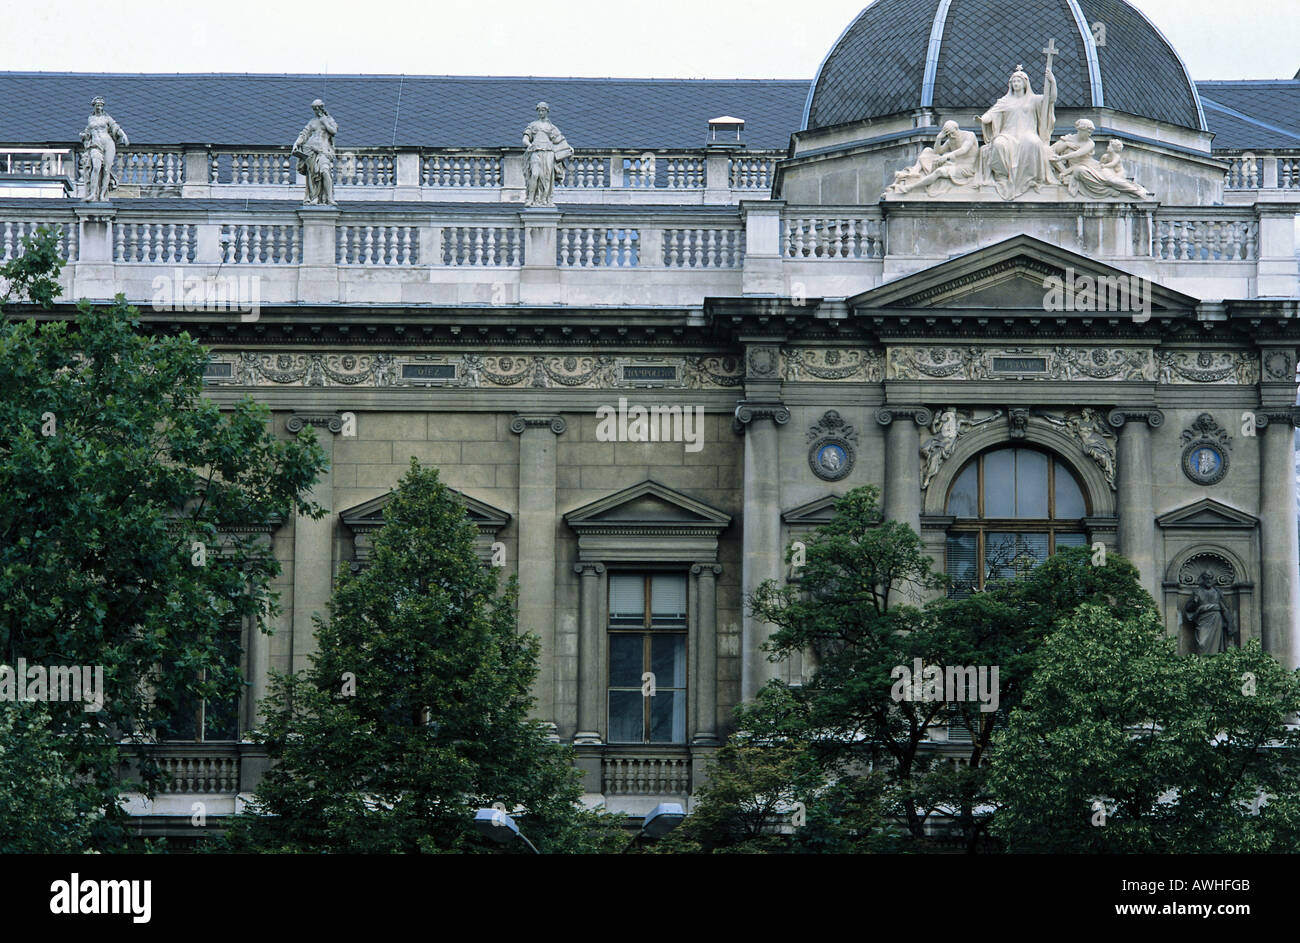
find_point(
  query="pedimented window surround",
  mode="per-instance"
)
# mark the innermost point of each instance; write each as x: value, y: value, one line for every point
x: 366, y: 518
x: 647, y: 525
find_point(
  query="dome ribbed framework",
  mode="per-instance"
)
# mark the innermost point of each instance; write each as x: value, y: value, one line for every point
x: 956, y: 55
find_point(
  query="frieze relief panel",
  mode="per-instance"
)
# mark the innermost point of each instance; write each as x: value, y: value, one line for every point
x: 507, y: 371
x: 1041, y: 363
x: 792, y: 365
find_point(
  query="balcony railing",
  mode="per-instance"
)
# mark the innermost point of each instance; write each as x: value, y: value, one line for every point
x: 645, y: 771
x: 1279, y: 170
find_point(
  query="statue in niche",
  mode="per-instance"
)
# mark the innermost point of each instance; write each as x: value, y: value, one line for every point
x: 1016, y: 156
x: 953, y: 163
x: 1209, y: 616
x: 545, y: 160
x: 315, y: 152
x: 100, y: 139
x: 1085, y: 176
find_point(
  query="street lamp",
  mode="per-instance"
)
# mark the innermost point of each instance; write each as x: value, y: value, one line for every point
x: 662, y: 819
x: 501, y: 828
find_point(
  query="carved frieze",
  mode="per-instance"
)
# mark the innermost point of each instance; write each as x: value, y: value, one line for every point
x: 810, y: 364
x: 947, y: 426
x: 1040, y: 363
x: 573, y: 371
x: 1207, y: 366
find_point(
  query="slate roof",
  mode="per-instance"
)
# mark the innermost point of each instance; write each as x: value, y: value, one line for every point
x: 1259, y: 115
x: 878, y: 66
x: 382, y: 110
x: 260, y: 110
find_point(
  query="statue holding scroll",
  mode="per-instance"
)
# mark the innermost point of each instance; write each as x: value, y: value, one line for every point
x: 315, y: 152
x: 545, y: 160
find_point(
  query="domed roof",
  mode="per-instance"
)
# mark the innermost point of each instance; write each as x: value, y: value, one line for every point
x: 950, y: 55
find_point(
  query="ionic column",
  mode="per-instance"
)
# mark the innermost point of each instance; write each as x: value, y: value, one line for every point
x: 761, y: 541
x: 1279, y: 582
x: 1137, y: 538
x: 705, y: 711
x: 591, y: 681
x: 537, y: 552
x: 902, y: 497
x: 313, y: 550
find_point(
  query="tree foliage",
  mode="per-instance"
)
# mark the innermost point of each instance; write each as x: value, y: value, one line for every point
x: 437, y: 724
x: 115, y: 469
x: 1123, y: 746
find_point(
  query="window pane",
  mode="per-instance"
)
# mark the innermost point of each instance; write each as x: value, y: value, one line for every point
x: 1069, y: 499
x: 1071, y: 540
x: 668, y: 599
x: 626, y: 722
x: 220, y: 720
x: 1031, y: 484
x: 626, y: 654
x: 962, y: 565
x: 626, y: 599
x: 668, y: 717
x: 999, y: 484
x: 1008, y: 556
x: 963, y: 499
x: 668, y: 660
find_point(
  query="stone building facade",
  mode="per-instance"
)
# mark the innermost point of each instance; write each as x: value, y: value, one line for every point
x: 1066, y: 366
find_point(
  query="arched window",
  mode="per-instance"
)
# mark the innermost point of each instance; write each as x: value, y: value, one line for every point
x: 1014, y: 508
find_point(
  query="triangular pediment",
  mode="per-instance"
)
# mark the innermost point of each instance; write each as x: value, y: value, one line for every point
x: 1208, y: 513
x: 648, y: 504
x: 369, y: 515
x: 812, y: 514
x: 1013, y: 275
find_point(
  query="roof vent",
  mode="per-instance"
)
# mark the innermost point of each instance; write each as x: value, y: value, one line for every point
x: 726, y: 132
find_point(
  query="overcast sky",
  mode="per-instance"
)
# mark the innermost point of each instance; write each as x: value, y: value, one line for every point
x: 630, y: 38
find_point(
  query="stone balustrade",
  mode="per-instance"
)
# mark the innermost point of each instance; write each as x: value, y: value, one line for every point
x: 1250, y: 171
x: 411, y: 253
x: 38, y: 161
x: 201, y: 768
x: 1206, y: 236
x: 642, y: 772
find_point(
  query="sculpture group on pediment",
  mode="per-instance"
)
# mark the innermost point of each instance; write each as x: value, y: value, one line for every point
x: 1018, y: 157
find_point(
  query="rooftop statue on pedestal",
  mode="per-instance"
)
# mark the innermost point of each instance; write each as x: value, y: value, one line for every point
x: 545, y: 161
x: 315, y: 152
x: 100, y: 138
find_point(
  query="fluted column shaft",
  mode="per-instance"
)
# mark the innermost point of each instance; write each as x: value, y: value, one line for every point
x: 1137, y: 538
x: 902, y: 498
x: 705, y: 654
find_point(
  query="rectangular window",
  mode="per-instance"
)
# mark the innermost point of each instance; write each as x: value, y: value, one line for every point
x: 647, y: 658
x: 195, y: 719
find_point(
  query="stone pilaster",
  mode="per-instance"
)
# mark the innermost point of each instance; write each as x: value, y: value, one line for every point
x: 1137, y: 537
x: 705, y: 655
x: 537, y: 544
x: 902, y: 497
x: 591, y: 680
x: 313, y: 550
x: 761, y: 539
x: 1279, y: 548
x: 762, y: 273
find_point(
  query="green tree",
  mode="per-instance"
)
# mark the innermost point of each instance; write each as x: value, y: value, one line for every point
x: 125, y: 489
x: 414, y: 713
x: 1123, y: 746
x: 43, y: 808
x: 857, y: 607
